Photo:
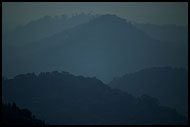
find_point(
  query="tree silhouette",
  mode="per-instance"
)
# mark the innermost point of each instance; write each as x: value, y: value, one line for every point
x: 15, y: 116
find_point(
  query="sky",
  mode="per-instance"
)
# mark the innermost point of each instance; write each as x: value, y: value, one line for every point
x: 19, y: 13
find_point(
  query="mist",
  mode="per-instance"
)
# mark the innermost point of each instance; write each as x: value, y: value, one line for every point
x: 94, y: 59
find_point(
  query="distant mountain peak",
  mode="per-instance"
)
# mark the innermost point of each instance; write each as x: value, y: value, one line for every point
x: 110, y: 18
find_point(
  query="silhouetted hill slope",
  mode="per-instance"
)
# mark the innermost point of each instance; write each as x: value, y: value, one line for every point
x: 108, y: 46
x: 62, y: 98
x: 12, y: 115
x: 169, y: 85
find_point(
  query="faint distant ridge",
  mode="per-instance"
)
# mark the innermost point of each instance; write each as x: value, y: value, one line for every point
x: 62, y: 98
x: 109, y: 18
x: 111, y: 22
x: 170, y: 33
x: 159, y: 69
x: 44, y: 27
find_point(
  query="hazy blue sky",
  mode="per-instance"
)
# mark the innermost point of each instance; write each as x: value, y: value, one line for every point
x: 146, y: 12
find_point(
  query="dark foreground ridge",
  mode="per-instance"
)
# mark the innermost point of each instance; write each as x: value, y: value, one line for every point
x: 169, y: 85
x: 62, y: 98
x: 13, y: 115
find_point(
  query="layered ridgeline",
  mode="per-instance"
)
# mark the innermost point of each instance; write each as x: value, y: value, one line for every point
x: 43, y: 27
x: 169, y: 85
x: 62, y: 98
x: 106, y: 46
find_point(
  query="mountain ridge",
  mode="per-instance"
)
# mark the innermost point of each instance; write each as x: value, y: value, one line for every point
x: 163, y: 83
x: 98, y: 45
x: 73, y: 98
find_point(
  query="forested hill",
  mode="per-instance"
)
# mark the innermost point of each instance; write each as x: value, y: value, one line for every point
x: 13, y: 115
x: 169, y: 85
x: 62, y: 98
